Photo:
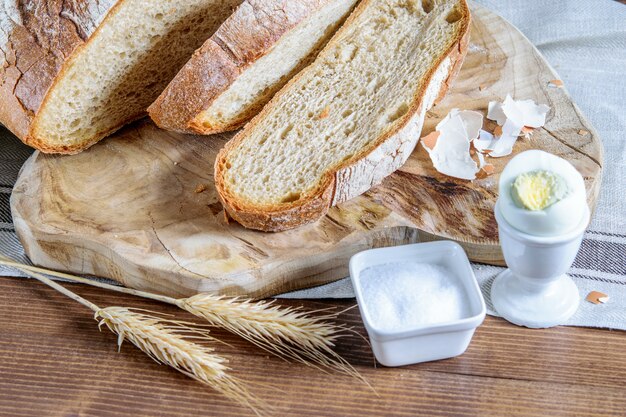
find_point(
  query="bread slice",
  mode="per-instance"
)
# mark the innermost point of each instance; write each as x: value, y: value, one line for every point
x: 73, y: 72
x: 254, y: 53
x: 349, y: 119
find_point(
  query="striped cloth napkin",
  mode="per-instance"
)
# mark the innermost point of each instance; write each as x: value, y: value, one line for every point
x: 585, y: 41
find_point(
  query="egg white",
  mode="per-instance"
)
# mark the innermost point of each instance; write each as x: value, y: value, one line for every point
x: 558, y: 218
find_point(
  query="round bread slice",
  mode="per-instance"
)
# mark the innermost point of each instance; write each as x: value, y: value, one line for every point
x: 349, y: 119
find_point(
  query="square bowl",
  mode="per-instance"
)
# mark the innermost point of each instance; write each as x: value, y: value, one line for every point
x: 426, y: 342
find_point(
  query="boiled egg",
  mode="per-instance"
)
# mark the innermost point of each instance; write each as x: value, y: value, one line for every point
x: 541, y: 194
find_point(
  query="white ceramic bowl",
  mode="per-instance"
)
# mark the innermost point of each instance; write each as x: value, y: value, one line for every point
x: 425, y: 342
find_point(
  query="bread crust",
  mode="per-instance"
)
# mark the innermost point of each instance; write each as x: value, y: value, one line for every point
x: 236, y: 45
x: 38, y: 43
x: 55, y: 32
x: 338, y: 184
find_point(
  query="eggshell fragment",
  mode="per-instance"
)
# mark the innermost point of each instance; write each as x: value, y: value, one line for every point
x: 450, y: 153
x: 430, y: 140
x: 481, y: 160
x: 483, y: 143
x: 597, y: 297
x: 496, y: 146
x: 504, y: 144
x: 485, y: 169
x: 473, y: 121
x: 495, y: 112
x: 489, y: 169
x: 555, y: 83
x: 527, y: 132
x: 512, y: 117
x: 524, y: 112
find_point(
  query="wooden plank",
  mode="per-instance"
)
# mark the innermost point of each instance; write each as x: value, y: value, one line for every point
x: 128, y: 207
x: 55, y: 362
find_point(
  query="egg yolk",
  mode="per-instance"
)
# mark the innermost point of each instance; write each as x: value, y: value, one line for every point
x: 536, y: 190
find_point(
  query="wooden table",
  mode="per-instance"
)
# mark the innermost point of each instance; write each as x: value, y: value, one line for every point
x: 55, y: 362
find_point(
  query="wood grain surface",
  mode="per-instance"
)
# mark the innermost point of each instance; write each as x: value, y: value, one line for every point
x: 55, y: 362
x: 140, y: 207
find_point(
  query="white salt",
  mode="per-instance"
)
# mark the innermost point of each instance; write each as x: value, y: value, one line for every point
x: 408, y: 294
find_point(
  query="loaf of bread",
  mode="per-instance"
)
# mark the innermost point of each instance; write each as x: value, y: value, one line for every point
x: 74, y: 71
x: 349, y: 119
x: 248, y: 59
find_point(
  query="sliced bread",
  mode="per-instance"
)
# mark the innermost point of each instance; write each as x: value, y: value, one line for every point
x: 74, y: 71
x: 254, y: 53
x: 349, y: 119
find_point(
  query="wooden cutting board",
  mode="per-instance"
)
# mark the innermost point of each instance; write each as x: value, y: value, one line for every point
x: 140, y: 207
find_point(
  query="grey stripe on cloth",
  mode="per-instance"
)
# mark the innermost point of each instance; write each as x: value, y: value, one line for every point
x: 602, y: 256
x: 5, y: 208
x: 13, y: 153
x: 585, y: 41
x: 595, y: 232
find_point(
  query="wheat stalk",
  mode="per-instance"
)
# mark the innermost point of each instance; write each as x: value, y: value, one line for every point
x: 289, y: 333
x: 166, y: 342
x: 285, y: 332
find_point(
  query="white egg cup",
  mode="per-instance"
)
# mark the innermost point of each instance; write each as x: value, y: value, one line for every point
x: 535, y: 291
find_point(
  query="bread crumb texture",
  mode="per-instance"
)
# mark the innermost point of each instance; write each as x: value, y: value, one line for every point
x: 258, y: 82
x: 123, y: 68
x: 368, y: 76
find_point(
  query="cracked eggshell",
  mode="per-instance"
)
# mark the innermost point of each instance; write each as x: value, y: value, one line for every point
x: 472, y: 121
x: 520, y: 112
x: 513, y: 116
x: 495, y: 112
x: 451, y: 152
x: 496, y: 146
x: 484, y: 142
x: 525, y: 112
x: 503, y: 145
x: 481, y: 160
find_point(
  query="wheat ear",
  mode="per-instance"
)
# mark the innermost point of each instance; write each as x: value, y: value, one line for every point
x: 286, y: 332
x: 289, y: 333
x: 166, y: 342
